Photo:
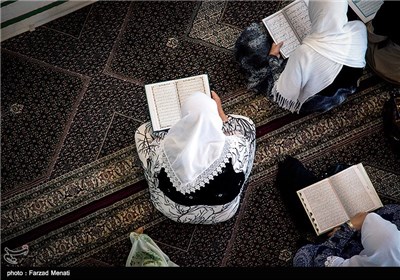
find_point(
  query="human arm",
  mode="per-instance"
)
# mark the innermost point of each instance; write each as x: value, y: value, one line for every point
x: 334, y: 245
x: 275, y: 49
x: 235, y: 124
x: 274, y: 61
x: 147, y: 141
x: 276, y: 65
x: 221, y: 112
x: 354, y: 224
x: 357, y: 221
x: 243, y: 131
x: 380, y: 239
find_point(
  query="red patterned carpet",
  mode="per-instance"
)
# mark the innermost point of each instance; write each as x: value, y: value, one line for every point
x: 73, y: 95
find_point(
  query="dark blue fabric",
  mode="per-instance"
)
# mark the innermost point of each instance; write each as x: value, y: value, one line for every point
x: 321, y: 103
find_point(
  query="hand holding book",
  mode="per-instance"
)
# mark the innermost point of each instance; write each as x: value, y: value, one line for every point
x: 339, y: 198
x: 357, y: 221
x: 275, y: 49
x: 290, y: 25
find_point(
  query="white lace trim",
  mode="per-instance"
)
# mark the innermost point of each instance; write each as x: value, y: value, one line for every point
x: 204, y: 178
x: 333, y: 261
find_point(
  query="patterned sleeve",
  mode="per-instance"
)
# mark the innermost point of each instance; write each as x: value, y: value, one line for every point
x: 240, y: 126
x: 147, y: 142
x: 276, y: 66
x: 251, y: 52
x: 245, y: 130
x: 334, y: 246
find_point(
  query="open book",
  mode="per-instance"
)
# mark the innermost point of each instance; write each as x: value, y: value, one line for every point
x: 334, y: 200
x: 365, y: 9
x: 165, y: 99
x: 290, y: 25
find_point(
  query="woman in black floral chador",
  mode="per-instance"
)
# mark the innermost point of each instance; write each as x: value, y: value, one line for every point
x: 196, y: 170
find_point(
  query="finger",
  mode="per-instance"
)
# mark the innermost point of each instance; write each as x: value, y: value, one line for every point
x: 139, y: 230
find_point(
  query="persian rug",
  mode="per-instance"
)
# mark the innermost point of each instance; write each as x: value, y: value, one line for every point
x: 72, y: 185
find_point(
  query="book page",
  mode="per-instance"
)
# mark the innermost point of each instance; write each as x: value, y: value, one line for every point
x: 167, y: 104
x: 322, y: 206
x: 189, y: 86
x: 355, y: 191
x: 280, y: 30
x: 164, y: 98
x: 365, y: 9
x: 299, y: 18
x: 286, y: 23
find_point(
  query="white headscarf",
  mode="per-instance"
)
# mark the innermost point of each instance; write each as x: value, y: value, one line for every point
x: 381, y: 241
x: 195, y: 148
x: 332, y: 43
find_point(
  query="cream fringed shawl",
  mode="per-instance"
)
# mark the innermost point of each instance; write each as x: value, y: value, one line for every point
x: 332, y: 43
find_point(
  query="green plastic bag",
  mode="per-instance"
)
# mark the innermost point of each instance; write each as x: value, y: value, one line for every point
x: 145, y: 252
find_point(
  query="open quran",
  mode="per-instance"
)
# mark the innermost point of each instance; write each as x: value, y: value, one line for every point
x: 289, y: 25
x: 165, y: 99
x: 334, y: 200
x: 365, y: 9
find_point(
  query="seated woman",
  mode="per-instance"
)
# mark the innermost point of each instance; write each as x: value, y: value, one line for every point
x: 320, y: 73
x: 196, y: 171
x: 370, y: 239
x: 383, y: 54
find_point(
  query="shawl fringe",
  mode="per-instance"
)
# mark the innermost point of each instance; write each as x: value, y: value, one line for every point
x: 291, y: 105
